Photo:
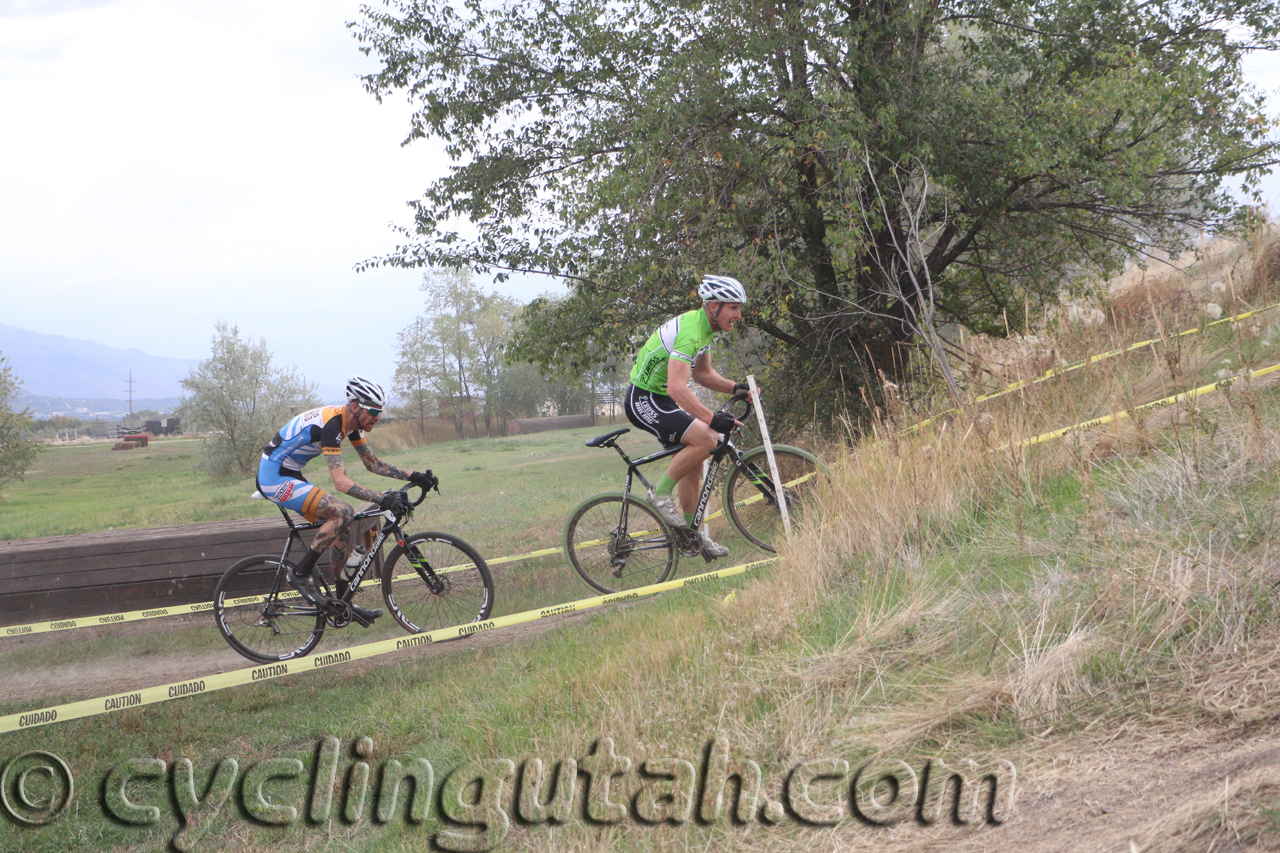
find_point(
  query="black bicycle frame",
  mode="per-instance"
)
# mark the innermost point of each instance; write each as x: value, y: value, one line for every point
x: 296, y: 531
x: 724, y: 448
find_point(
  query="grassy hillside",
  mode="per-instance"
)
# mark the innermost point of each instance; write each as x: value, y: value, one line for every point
x: 1098, y: 611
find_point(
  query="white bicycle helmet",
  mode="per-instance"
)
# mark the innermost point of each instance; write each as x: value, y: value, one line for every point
x: 721, y: 288
x: 367, y: 393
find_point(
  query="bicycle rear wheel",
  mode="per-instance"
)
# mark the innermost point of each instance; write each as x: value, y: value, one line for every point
x: 436, y: 581
x: 751, y: 498
x: 616, y: 546
x: 261, y: 616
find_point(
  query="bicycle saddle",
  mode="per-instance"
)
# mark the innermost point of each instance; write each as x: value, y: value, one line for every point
x: 607, y: 440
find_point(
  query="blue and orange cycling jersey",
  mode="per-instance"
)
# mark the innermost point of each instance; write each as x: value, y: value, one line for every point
x: 308, y: 435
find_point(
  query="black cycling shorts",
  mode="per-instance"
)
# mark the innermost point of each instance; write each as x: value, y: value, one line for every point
x: 658, y: 415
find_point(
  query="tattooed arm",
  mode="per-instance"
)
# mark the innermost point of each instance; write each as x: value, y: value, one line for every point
x: 348, y: 486
x: 377, y: 466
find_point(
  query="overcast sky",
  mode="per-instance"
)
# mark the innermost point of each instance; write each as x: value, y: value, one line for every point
x: 165, y: 164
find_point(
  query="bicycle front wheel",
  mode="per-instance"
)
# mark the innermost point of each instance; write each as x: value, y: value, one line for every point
x: 261, y: 616
x: 751, y: 498
x: 436, y: 581
x: 618, y: 544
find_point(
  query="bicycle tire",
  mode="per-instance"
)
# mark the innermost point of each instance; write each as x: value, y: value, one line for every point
x: 749, y: 495
x: 602, y: 555
x: 467, y: 595
x: 268, y: 630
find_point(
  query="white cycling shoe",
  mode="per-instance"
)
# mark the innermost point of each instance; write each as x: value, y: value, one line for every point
x: 668, y: 509
x: 711, y: 547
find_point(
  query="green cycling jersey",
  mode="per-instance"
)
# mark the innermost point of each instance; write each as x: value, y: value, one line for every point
x: 686, y: 337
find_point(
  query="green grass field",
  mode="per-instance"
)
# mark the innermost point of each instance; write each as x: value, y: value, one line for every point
x: 945, y: 600
x: 506, y: 496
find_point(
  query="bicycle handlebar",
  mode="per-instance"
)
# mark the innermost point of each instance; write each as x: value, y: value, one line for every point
x: 422, y: 493
x: 740, y: 397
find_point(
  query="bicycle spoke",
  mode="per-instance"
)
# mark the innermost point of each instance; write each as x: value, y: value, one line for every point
x: 751, y: 496
x: 258, y: 624
x: 611, y: 557
x: 452, y: 587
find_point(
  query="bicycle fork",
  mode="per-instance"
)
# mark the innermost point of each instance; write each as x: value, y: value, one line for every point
x: 420, y: 565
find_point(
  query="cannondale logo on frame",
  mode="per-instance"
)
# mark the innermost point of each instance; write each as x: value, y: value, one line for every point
x: 36, y: 787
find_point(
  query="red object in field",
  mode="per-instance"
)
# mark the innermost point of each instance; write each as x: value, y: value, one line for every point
x: 141, y: 438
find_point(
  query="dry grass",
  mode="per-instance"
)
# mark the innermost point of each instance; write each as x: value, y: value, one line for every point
x: 958, y: 593
x: 405, y: 434
x: 1160, y: 577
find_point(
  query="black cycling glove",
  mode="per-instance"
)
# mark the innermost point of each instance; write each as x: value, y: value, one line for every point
x: 394, y: 501
x: 723, y: 422
x: 425, y: 479
x: 741, y: 388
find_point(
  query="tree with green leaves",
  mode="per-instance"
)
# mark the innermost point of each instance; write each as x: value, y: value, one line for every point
x: 16, y: 452
x: 416, y: 372
x: 455, y: 351
x: 239, y: 398
x: 629, y: 146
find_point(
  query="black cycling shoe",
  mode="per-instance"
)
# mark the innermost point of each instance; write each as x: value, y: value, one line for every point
x: 368, y: 614
x: 306, y: 587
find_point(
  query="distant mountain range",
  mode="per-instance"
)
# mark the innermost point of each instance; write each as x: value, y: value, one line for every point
x: 86, y: 379
x: 55, y: 366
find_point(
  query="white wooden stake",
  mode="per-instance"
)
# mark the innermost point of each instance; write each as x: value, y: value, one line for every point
x: 768, y: 451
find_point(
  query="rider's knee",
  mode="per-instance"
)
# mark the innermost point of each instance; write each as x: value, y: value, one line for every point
x: 699, y: 435
x: 337, y: 510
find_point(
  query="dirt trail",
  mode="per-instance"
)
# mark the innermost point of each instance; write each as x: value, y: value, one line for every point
x: 104, y: 676
x: 1139, y: 789
x: 1133, y: 791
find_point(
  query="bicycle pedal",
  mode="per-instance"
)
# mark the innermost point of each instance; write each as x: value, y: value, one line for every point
x: 706, y: 556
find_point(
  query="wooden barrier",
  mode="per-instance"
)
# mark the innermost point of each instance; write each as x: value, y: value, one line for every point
x: 62, y: 577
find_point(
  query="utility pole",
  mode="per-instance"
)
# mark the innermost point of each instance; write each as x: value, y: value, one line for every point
x: 131, y: 395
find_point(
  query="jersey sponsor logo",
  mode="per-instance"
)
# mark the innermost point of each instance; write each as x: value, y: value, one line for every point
x: 644, y: 409
x: 284, y: 492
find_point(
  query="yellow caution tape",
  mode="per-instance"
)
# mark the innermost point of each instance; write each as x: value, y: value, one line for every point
x: 1093, y: 359
x: 266, y: 672
x: 1220, y: 385
x: 204, y: 606
x: 207, y: 606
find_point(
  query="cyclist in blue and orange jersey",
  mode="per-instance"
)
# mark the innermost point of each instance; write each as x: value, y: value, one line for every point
x: 661, y: 402
x: 320, y: 431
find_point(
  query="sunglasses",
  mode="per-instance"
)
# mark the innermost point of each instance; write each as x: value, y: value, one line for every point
x: 373, y: 413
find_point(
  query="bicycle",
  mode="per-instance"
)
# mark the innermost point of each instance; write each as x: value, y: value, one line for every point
x: 263, y: 618
x: 617, y: 541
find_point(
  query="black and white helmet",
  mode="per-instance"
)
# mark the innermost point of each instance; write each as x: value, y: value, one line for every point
x: 721, y: 288
x: 367, y: 393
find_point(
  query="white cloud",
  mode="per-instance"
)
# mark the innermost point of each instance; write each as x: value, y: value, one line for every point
x: 169, y: 164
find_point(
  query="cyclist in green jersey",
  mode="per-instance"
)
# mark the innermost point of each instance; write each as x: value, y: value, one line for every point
x: 661, y: 402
